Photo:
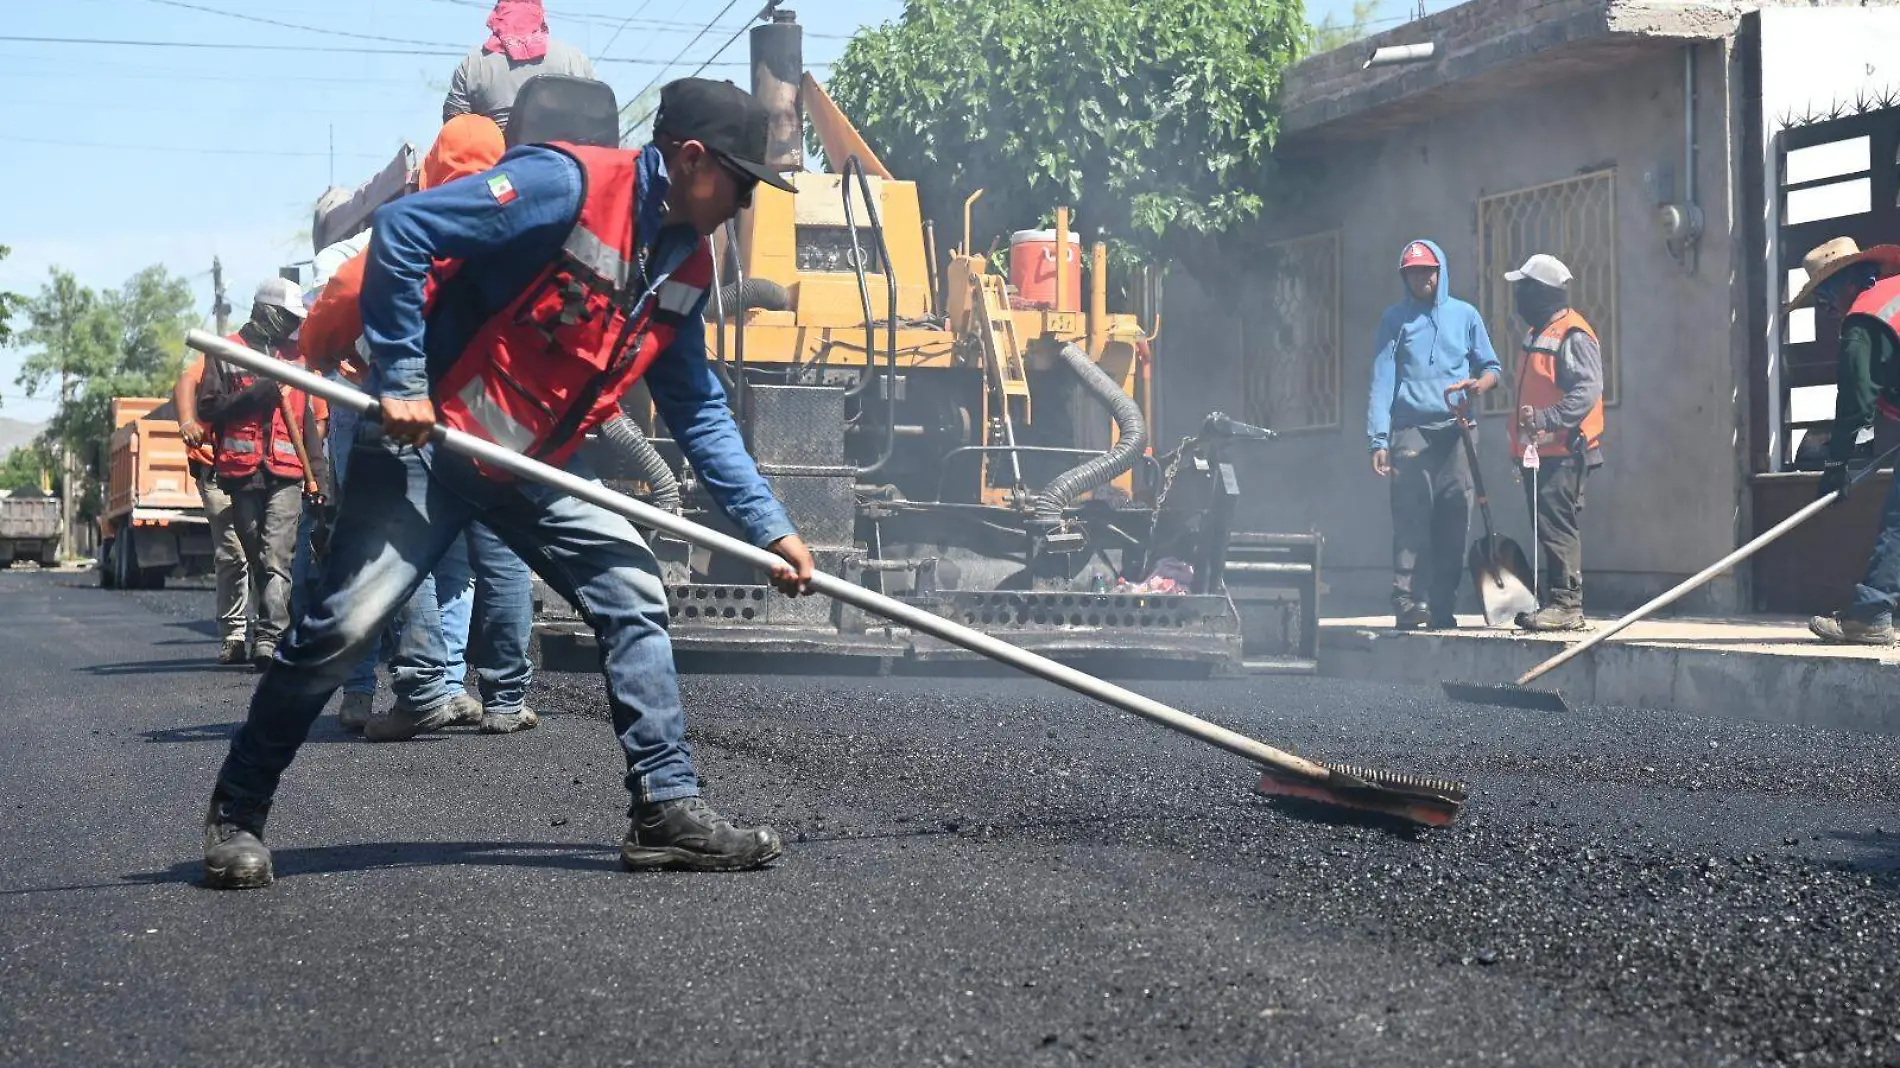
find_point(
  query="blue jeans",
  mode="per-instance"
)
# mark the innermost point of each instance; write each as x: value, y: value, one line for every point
x: 481, y: 577
x: 412, y: 642
x: 403, y: 509
x: 1879, y: 590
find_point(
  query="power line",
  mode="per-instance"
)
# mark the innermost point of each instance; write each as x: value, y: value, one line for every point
x: 657, y: 75
x: 180, y: 148
x: 657, y: 25
x: 296, y: 26
x: 763, y: 12
x: 623, y: 25
x: 219, y: 45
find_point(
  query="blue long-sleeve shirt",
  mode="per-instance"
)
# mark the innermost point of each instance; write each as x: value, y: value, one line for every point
x: 1420, y: 349
x: 505, y: 242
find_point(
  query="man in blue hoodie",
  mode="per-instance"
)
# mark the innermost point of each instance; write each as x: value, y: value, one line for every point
x: 1432, y: 355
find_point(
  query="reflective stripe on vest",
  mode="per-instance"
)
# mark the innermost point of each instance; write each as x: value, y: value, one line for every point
x: 1537, y: 386
x: 555, y: 362
x: 260, y: 439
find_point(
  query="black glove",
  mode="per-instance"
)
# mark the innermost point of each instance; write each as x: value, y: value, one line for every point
x: 1833, y: 477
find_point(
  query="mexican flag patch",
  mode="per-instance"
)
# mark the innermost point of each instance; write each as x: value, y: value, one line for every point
x: 502, y: 189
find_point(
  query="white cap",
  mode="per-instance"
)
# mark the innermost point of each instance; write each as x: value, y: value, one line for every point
x: 1541, y: 268
x: 280, y: 293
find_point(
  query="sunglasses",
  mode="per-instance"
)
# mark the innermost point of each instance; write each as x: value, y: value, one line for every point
x: 745, y: 183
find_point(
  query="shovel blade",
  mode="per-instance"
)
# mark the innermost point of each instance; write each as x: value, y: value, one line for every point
x: 1503, y: 578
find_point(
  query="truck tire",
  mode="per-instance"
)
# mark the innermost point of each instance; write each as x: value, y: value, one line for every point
x: 126, y: 560
x: 153, y: 578
x: 108, y: 564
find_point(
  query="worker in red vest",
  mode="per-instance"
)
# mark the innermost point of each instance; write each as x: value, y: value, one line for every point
x: 258, y: 456
x: 1559, y: 410
x: 519, y: 305
x: 1863, y: 290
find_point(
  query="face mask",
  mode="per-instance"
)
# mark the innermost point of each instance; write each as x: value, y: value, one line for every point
x: 1535, y: 303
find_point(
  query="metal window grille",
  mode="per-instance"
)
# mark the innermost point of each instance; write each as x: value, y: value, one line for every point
x: 1573, y: 220
x: 1289, y: 336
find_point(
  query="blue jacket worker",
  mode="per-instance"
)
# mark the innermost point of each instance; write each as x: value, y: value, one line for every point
x: 519, y: 305
x: 1431, y: 356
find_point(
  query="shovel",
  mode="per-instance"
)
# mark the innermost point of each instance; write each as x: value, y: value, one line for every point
x: 1498, y: 566
x: 1518, y: 694
x: 1428, y: 802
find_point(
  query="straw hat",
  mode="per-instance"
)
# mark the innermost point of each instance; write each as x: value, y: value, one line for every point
x: 1836, y: 256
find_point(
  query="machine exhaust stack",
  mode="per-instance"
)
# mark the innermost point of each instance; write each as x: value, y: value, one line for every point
x: 778, y: 62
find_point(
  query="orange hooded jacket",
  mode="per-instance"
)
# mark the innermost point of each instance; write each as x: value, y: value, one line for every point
x: 468, y: 144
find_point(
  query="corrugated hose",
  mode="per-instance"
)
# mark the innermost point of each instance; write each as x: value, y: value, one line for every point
x: 1117, y: 461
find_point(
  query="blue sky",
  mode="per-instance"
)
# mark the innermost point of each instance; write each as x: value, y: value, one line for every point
x: 123, y: 156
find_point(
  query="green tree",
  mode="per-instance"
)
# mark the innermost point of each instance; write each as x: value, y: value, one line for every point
x: 22, y: 468
x: 90, y: 347
x: 9, y: 303
x: 1152, y: 120
x: 1329, y: 33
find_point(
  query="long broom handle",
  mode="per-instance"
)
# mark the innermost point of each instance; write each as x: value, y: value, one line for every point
x: 838, y: 589
x: 1700, y: 578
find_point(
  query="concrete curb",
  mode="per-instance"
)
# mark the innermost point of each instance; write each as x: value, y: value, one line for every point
x: 1841, y: 693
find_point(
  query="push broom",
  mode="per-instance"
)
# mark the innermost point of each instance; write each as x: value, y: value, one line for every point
x: 1428, y: 802
x: 1519, y: 694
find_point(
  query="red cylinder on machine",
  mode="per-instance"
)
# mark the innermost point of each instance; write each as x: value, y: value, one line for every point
x: 1032, y: 269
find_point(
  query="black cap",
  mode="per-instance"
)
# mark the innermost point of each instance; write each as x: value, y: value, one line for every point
x: 723, y: 117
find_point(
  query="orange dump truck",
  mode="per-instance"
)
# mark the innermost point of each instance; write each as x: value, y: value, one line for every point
x: 153, y: 526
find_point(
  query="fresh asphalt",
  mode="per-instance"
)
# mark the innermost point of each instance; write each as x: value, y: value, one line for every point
x: 988, y: 872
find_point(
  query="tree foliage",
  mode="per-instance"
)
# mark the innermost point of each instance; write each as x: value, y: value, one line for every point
x: 1153, y: 120
x: 89, y: 347
x: 9, y: 303
x: 22, y: 468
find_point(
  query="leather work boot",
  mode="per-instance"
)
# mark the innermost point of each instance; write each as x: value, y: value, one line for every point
x: 468, y: 711
x: 355, y: 711
x: 687, y: 835
x: 262, y: 656
x: 402, y: 723
x: 1413, y: 617
x: 235, y: 856
x: 1553, y: 617
x: 1843, y: 629
x: 232, y: 655
x: 521, y: 719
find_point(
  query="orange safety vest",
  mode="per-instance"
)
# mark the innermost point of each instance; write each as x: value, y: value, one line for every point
x: 1881, y: 303
x: 554, y: 363
x: 259, y: 438
x: 1537, y: 384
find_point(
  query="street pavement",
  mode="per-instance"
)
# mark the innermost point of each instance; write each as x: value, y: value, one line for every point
x: 978, y: 871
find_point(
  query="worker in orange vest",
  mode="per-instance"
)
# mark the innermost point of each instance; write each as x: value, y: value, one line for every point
x: 258, y: 456
x: 1559, y: 413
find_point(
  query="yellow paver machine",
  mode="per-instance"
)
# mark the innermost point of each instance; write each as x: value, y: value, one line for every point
x: 978, y: 449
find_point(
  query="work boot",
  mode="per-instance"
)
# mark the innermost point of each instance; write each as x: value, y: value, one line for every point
x: 402, y: 722
x: 687, y: 835
x: 1413, y: 617
x: 355, y: 711
x: 1442, y: 623
x: 468, y: 711
x: 1843, y: 629
x: 235, y: 856
x: 231, y: 654
x: 521, y: 719
x: 1553, y: 617
x: 262, y: 656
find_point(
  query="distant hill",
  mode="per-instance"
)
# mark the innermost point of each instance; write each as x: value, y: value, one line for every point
x: 14, y: 433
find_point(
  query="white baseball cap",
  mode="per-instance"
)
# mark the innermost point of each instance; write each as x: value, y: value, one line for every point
x: 281, y: 293
x: 1541, y: 268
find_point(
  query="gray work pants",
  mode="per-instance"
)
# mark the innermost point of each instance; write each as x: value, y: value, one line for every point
x: 267, y: 525
x: 1431, y: 516
x: 227, y: 560
x: 1557, y: 495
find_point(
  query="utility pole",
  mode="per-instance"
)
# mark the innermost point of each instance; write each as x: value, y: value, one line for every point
x: 220, y: 307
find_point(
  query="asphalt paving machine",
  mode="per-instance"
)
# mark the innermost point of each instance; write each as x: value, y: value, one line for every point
x: 949, y: 439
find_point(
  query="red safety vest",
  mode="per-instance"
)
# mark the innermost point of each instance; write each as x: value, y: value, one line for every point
x: 1537, y: 384
x: 259, y: 437
x: 1881, y: 303
x: 555, y: 362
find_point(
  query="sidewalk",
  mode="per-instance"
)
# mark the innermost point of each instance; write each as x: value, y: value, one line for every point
x: 1767, y: 670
